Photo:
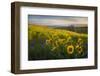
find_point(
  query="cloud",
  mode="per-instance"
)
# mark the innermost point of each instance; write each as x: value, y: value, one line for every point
x: 57, y: 20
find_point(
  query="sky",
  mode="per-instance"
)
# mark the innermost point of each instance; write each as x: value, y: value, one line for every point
x: 57, y: 20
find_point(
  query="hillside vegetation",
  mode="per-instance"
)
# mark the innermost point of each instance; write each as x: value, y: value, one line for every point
x: 47, y: 43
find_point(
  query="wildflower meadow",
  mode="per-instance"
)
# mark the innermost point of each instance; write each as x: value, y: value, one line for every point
x: 45, y: 43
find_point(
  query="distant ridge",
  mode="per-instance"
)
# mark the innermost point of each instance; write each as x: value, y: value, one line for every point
x: 70, y: 25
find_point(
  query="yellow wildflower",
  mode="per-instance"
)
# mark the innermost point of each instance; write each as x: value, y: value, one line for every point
x: 48, y: 41
x: 70, y: 49
x: 79, y: 49
x: 53, y: 48
x: 80, y: 41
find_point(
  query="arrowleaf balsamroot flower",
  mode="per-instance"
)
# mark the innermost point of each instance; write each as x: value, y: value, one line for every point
x: 70, y: 49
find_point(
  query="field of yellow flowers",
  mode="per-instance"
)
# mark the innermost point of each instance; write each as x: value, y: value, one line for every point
x: 47, y: 43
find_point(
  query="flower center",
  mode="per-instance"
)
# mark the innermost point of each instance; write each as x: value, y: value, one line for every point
x: 70, y: 49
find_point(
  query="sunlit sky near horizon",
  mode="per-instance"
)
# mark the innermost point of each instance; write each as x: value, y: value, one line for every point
x: 57, y: 20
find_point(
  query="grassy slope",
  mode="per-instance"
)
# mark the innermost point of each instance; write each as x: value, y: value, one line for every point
x: 48, y: 43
